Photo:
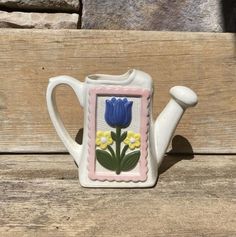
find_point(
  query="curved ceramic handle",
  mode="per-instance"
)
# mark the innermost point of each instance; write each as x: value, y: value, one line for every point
x: 78, y: 87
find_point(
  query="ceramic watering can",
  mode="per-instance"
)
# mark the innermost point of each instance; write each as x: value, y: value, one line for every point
x: 122, y: 145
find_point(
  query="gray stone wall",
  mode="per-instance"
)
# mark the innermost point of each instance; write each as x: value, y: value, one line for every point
x: 177, y: 15
x: 40, y: 14
x: 42, y: 5
x: 162, y: 15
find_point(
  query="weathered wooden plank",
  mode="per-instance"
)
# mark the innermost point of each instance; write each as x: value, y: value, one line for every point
x: 37, y: 167
x: 204, y: 61
x: 41, y: 196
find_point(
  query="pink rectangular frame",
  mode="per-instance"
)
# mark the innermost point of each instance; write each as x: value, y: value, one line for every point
x: 145, y: 102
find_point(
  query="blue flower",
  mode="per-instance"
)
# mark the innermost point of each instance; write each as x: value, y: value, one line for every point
x: 118, y: 112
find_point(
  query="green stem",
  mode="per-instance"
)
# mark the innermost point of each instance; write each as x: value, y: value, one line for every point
x: 118, y: 142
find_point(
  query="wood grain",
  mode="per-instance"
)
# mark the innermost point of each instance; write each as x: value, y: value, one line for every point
x: 203, y: 61
x: 40, y: 195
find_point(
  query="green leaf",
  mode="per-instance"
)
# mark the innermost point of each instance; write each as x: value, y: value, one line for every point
x: 113, y: 135
x: 106, y: 160
x: 123, y: 136
x: 111, y: 151
x: 130, y: 161
x: 124, y: 151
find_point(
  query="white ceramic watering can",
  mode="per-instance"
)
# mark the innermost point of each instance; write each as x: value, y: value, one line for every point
x: 122, y: 145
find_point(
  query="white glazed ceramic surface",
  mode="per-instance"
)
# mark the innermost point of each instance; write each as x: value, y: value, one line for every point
x: 136, y: 161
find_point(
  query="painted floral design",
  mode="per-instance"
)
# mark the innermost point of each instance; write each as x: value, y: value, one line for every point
x: 103, y: 139
x: 132, y: 140
x: 118, y: 112
x: 118, y: 115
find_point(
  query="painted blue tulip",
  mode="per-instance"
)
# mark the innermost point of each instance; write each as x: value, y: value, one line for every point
x: 118, y: 112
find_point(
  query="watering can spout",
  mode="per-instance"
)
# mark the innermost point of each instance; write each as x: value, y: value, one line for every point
x: 167, y: 121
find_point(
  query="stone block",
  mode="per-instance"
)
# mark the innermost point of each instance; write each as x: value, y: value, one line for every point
x: 38, y: 20
x: 171, y: 15
x: 42, y: 5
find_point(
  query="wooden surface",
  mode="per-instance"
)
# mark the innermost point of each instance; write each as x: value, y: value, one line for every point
x: 40, y: 193
x: 41, y: 196
x: 203, y: 61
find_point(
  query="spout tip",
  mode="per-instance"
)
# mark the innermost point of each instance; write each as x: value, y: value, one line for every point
x: 184, y: 96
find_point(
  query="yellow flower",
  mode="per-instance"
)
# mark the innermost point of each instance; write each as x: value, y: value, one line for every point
x: 133, y: 140
x: 103, y: 139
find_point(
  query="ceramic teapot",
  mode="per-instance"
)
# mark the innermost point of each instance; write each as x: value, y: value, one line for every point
x: 123, y: 146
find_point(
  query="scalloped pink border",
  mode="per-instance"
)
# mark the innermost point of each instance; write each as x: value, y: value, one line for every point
x: 145, y: 102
